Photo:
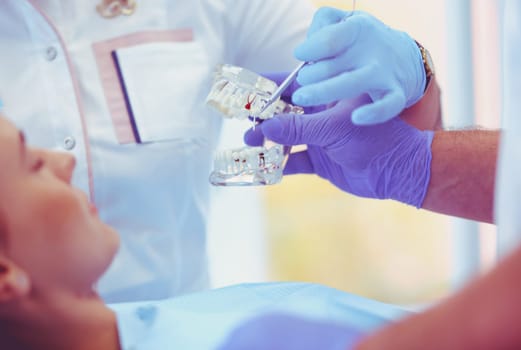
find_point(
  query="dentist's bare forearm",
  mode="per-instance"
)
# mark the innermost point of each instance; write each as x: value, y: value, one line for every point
x: 463, y: 172
x: 463, y: 163
x: 485, y: 315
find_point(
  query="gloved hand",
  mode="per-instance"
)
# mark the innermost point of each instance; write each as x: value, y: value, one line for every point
x: 359, y: 55
x: 385, y: 161
x: 284, y: 332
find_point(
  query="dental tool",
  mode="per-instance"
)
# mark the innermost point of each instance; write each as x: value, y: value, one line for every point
x: 293, y: 75
x: 283, y: 86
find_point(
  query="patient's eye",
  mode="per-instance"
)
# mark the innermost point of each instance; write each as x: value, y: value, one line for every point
x: 37, y: 164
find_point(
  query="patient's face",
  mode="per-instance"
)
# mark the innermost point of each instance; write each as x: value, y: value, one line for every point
x: 54, y: 233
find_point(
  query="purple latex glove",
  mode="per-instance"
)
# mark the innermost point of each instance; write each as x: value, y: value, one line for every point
x: 385, y: 161
x: 285, y: 332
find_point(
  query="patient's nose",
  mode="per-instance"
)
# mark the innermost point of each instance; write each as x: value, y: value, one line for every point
x: 62, y: 165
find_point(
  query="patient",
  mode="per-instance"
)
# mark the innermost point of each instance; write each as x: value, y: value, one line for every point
x: 54, y: 248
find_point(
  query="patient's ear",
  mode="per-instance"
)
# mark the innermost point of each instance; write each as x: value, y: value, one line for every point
x: 14, y: 281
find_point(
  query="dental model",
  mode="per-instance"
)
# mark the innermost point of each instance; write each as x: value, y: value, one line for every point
x: 239, y: 93
x: 249, y: 166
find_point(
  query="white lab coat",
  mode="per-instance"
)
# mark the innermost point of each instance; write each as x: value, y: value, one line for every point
x: 508, y: 180
x: 59, y: 83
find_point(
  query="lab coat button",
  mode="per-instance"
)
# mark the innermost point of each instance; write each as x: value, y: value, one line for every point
x: 69, y: 142
x: 51, y: 53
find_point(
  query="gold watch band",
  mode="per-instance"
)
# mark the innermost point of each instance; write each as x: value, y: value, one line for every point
x: 428, y: 64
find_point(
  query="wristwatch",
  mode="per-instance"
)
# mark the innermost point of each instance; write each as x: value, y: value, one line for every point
x: 428, y: 64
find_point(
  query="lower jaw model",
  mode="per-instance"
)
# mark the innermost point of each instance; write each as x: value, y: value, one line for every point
x: 249, y: 166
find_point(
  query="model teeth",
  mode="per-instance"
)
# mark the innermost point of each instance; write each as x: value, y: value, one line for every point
x: 237, y: 161
x: 249, y: 166
x: 239, y: 93
x: 235, y: 102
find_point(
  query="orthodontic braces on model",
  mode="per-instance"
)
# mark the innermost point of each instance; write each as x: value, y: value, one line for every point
x: 239, y: 93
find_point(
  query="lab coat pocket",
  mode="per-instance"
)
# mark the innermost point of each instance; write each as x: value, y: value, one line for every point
x: 155, y: 89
